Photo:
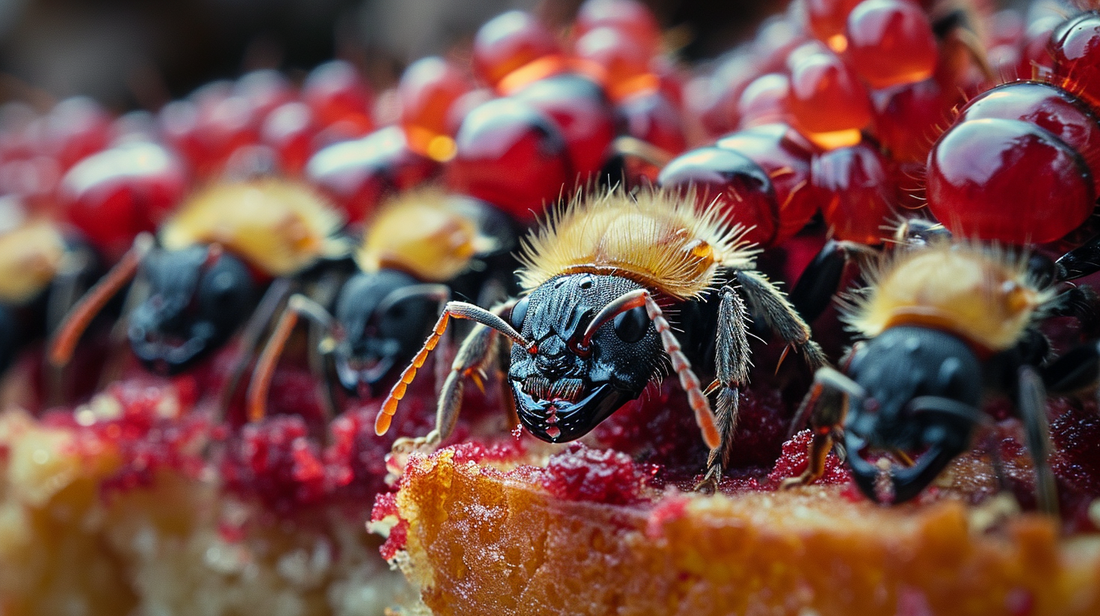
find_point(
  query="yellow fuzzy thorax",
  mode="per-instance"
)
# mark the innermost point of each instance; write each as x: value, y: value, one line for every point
x: 30, y: 257
x: 421, y: 234
x: 657, y: 239
x: 278, y: 226
x: 982, y: 295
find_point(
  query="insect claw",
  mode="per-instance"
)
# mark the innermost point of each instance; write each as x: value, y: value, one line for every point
x: 786, y: 349
x: 478, y: 377
x: 713, y: 387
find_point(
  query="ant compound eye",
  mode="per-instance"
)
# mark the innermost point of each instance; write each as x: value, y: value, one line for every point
x: 519, y: 312
x: 631, y: 325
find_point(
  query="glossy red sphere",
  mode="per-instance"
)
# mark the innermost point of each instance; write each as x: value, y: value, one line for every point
x: 336, y: 91
x: 464, y: 105
x: 179, y: 125
x: 827, y: 18
x: 651, y: 117
x: 509, y: 42
x: 741, y: 188
x: 715, y: 98
x: 1075, y: 48
x: 116, y: 194
x: 623, y: 62
x: 290, y: 130
x: 856, y: 196
x: 765, y: 100
x: 1035, y: 58
x: 33, y: 179
x: 890, y: 43
x: 1048, y: 107
x: 627, y: 16
x: 16, y: 138
x: 1005, y: 27
x: 137, y: 125
x: 908, y: 118
x: 785, y: 156
x: 579, y: 108
x: 358, y: 174
x: 1007, y: 180
x: 826, y: 95
x: 511, y: 155
x: 265, y: 90
x: 776, y: 38
x: 75, y: 128
x: 427, y: 90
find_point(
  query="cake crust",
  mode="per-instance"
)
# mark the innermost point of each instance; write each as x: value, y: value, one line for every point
x: 479, y: 540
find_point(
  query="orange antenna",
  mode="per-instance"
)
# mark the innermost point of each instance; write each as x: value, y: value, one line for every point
x: 63, y: 341
x: 704, y: 416
x: 458, y: 310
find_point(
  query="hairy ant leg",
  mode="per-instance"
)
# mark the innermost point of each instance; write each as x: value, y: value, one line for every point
x: 272, y: 302
x: 297, y: 306
x: 732, y: 372
x: 1031, y: 403
x: 827, y: 405
x: 474, y: 356
x: 781, y: 316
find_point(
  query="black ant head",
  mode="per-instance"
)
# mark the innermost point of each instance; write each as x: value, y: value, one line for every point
x: 198, y: 297
x: 384, y: 316
x: 915, y: 390
x: 587, y: 362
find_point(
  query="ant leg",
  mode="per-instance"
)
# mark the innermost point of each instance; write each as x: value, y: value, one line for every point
x: 1075, y: 370
x: 503, y: 360
x: 732, y: 372
x: 1032, y: 405
x: 271, y: 304
x: 325, y: 349
x: 322, y: 345
x: 821, y: 279
x: 704, y: 417
x: 841, y: 383
x: 1079, y: 262
x: 993, y: 446
x: 297, y: 305
x: 827, y: 405
x: 781, y: 316
x: 458, y: 310
x: 63, y: 340
x: 65, y: 290
x: 476, y: 352
x: 115, y: 362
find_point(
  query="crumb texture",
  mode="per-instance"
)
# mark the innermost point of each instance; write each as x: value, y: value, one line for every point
x: 176, y: 545
x: 486, y: 541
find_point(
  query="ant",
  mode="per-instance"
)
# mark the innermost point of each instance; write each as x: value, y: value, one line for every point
x: 946, y: 325
x: 203, y: 275
x: 591, y: 330
x: 417, y: 252
x: 42, y: 268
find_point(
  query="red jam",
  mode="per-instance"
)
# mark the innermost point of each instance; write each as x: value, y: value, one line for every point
x: 597, y: 475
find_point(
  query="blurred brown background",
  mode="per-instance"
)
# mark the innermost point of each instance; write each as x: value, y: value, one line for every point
x: 141, y: 53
